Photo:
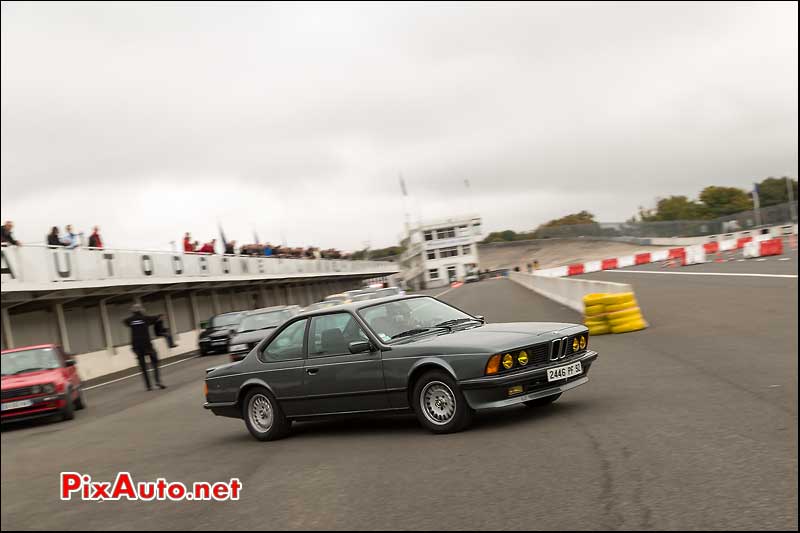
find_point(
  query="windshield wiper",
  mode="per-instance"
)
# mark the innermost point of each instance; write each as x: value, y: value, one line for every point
x: 410, y: 332
x: 27, y: 370
x: 450, y: 323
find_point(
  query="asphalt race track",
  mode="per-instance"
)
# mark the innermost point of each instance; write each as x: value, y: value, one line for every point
x: 690, y: 424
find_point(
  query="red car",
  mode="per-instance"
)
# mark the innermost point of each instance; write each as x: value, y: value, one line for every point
x: 39, y: 381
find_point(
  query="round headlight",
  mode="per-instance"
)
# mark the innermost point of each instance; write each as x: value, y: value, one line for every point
x: 583, y: 342
x: 508, y: 361
x: 49, y: 388
x: 523, y: 358
x: 575, y: 344
x: 36, y: 389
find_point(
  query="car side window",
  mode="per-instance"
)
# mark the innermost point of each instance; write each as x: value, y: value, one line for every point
x: 288, y: 344
x: 332, y: 334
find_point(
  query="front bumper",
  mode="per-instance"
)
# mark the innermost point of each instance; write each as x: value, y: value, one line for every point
x: 46, y: 405
x: 209, y: 344
x: 492, y: 391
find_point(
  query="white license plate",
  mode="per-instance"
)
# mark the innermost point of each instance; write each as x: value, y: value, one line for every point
x: 17, y: 405
x: 564, y: 372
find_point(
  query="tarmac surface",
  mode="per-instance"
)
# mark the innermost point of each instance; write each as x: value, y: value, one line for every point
x: 689, y: 424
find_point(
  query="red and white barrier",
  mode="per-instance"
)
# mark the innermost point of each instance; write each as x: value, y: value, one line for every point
x: 763, y: 248
x: 752, y: 246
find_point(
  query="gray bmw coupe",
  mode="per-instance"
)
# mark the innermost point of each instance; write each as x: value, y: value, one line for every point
x: 396, y: 354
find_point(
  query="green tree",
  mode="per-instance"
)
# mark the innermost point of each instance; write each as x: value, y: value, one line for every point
x: 584, y: 217
x: 674, y: 208
x: 721, y: 201
x: 772, y: 191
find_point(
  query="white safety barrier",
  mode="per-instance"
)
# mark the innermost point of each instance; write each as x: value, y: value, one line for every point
x: 566, y: 291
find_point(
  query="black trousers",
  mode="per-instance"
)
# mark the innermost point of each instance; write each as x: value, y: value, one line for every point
x: 140, y: 355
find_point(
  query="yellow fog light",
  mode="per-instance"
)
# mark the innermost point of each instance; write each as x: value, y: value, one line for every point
x: 575, y: 344
x: 517, y: 389
x: 583, y: 342
x: 508, y: 361
x: 523, y: 358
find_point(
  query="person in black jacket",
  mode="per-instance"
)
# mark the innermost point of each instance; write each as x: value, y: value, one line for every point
x: 140, y: 341
x: 52, y: 237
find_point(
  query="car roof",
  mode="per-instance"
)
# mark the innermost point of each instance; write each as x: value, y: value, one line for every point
x: 355, y: 306
x: 33, y: 347
x: 268, y: 309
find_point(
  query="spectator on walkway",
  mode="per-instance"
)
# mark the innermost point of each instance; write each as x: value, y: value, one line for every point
x: 208, y: 248
x: 70, y: 239
x: 187, y: 243
x: 7, y: 234
x: 53, y: 239
x: 140, y: 342
x: 94, y: 239
x: 267, y: 250
x: 230, y: 247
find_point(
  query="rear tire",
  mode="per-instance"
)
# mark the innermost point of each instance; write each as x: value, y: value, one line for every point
x: 439, y: 404
x: 541, y: 402
x: 263, y: 415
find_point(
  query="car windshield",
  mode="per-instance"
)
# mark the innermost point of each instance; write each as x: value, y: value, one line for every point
x: 403, y: 318
x: 225, y: 320
x: 29, y: 360
x: 264, y: 320
x: 363, y: 297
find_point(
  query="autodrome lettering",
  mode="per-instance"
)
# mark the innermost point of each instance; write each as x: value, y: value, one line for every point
x: 82, y: 487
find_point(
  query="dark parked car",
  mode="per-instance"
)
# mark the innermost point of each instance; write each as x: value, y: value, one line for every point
x: 256, y: 325
x: 39, y: 381
x: 397, y: 354
x: 217, y: 332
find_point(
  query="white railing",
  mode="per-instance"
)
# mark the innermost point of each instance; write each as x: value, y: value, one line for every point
x: 26, y: 265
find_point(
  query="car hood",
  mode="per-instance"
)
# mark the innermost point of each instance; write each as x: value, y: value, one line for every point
x: 251, y: 336
x: 490, y: 338
x: 39, y: 377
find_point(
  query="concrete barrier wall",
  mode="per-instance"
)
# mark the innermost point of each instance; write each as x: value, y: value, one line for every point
x: 566, y: 291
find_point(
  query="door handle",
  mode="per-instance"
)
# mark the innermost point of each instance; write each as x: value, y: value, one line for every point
x: 312, y: 371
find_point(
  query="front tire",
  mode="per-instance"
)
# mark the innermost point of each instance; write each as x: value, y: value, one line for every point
x: 439, y: 404
x: 68, y: 411
x: 541, y: 402
x: 80, y: 401
x: 263, y: 415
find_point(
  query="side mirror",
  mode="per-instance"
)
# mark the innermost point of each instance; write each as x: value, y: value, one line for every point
x: 71, y: 362
x: 204, y: 324
x: 359, y: 347
x: 481, y: 318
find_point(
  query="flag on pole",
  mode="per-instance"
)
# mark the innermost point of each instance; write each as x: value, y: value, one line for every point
x: 222, y: 237
x: 255, y: 236
x: 756, y: 200
x: 403, y: 186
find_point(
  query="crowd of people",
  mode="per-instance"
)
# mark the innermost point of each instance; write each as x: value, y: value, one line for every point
x: 191, y: 246
x: 69, y: 238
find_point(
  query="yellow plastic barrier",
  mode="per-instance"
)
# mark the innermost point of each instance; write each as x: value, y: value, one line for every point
x: 612, y: 313
x: 592, y: 310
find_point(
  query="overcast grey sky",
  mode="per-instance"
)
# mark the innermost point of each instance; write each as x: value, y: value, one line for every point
x: 296, y: 119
